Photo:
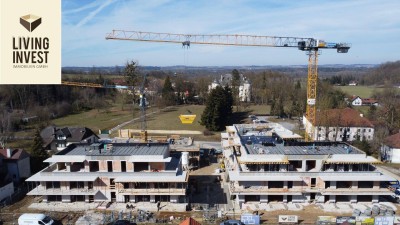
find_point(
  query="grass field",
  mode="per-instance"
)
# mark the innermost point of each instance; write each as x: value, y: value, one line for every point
x: 166, y: 120
x: 169, y: 119
x: 362, y: 91
x: 258, y: 109
x: 97, y: 119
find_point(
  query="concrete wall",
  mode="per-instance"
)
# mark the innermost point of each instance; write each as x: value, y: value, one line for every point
x: 119, y: 197
x: 116, y: 166
x: 263, y: 198
x: 129, y: 166
x: 24, y: 168
x: 298, y: 198
x: 239, y: 200
x: 102, y: 166
x: 319, y: 198
x: 6, y: 190
x: 320, y: 183
x: 395, y: 155
x: 13, y: 171
x: 157, y: 165
x: 174, y: 198
x: 87, y: 168
x: 66, y: 198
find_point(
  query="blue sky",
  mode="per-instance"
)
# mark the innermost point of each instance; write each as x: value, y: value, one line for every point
x: 371, y: 26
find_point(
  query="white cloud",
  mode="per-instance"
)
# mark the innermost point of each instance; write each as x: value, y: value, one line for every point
x: 94, y: 13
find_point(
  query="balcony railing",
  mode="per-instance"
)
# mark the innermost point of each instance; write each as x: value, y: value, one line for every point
x: 310, y: 173
x: 359, y: 191
x: 257, y: 189
x: 326, y: 191
x: 39, y: 190
x: 172, y: 191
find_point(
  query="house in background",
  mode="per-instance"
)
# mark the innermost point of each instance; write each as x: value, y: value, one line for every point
x: 15, y: 167
x: 390, y: 150
x: 56, y: 138
x: 226, y: 80
x: 340, y: 125
x: 370, y: 102
x: 358, y: 101
x: 15, y: 163
x: 353, y: 83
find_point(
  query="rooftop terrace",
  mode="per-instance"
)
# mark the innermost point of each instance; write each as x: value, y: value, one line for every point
x: 275, y: 146
x: 116, y: 149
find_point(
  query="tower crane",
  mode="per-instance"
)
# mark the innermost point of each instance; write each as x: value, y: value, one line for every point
x: 310, y: 45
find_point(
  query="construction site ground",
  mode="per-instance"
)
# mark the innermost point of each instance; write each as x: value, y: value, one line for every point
x: 207, y: 188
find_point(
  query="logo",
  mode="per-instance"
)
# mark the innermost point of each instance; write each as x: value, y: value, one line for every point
x: 30, y: 21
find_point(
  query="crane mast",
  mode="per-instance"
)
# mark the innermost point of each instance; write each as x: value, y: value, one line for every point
x: 310, y: 45
x: 142, y: 105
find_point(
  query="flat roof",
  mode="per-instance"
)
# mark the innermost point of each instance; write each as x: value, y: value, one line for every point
x: 116, y: 149
x: 310, y: 149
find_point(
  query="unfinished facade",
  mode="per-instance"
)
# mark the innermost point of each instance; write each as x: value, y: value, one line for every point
x: 264, y: 167
x: 119, y: 172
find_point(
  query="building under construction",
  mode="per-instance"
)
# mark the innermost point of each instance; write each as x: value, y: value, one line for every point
x: 266, y: 165
x: 118, y: 172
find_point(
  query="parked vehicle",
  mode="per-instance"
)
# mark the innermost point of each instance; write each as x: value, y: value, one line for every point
x: 34, y: 218
x: 231, y: 222
x: 123, y: 222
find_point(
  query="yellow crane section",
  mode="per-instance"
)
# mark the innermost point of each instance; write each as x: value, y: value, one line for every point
x: 81, y: 84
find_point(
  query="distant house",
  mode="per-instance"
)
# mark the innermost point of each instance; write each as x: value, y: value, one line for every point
x: 15, y: 165
x: 340, y: 125
x: 56, y: 138
x: 390, y: 149
x: 357, y: 101
x: 353, y: 83
x: 369, y: 102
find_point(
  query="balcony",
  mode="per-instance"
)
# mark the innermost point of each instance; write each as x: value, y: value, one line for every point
x: 40, y: 190
x: 262, y: 190
x: 150, y: 191
x: 356, y: 191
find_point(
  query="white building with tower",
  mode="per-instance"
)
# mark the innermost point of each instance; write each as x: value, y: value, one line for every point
x: 244, y: 91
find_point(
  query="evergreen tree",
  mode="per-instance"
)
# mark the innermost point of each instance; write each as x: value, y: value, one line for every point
x: 38, y: 154
x: 131, y: 73
x: 218, y: 109
x: 168, y: 94
x: 235, y: 87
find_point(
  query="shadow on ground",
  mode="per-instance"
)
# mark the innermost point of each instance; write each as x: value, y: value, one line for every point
x: 206, y: 189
